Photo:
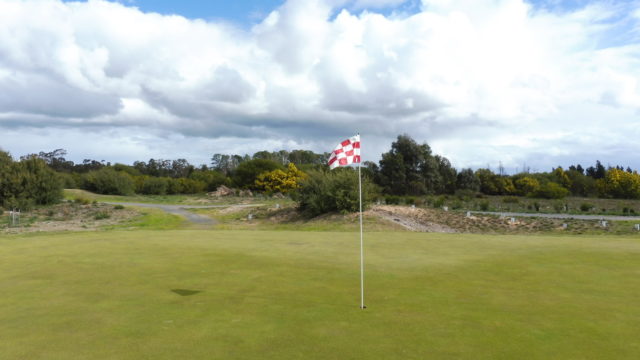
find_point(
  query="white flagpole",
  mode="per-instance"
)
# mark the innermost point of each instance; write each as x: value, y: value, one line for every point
x: 361, y: 241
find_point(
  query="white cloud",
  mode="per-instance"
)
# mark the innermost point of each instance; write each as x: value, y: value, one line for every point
x: 481, y: 81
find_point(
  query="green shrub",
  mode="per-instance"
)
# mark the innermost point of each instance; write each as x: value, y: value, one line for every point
x: 558, y: 206
x: 337, y: 190
x: 465, y: 194
x: 101, y: 215
x: 82, y: 201
x: 174, y: 186
x: 510, y: 200
x: 108, y: 181
x: 456, y: 205
x: 439, y: 202
x: 210, y: 178
x: 68, y: 181
x: 551, y: 190
x: 27, y: 183
x: 118, y: 207
x: 484, y: 205
x: 584, y: 207
x: 154, y: 186
x: 185, y: 186
x: 392, y: 200
x: 247, y: 172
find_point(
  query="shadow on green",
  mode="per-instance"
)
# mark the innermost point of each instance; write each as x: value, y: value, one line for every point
x: 185, y: 292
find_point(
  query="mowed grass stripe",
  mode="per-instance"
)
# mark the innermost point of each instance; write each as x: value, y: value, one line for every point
x: 108, y: 295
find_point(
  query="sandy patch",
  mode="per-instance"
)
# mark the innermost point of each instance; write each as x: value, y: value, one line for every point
x: 414, y: 219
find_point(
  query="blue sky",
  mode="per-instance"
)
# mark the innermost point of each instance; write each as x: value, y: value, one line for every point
x: 250, y: 11
x: 237, y: 11
x: 241, y: 12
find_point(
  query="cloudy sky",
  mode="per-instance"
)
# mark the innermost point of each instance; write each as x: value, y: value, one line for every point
x: 544, y: 82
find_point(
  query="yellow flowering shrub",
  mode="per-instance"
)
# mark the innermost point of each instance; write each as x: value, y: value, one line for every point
x: 280, y: 181
x: 620, y: 184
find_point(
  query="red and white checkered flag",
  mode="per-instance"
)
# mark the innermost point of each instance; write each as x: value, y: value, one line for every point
x: 347, y: 152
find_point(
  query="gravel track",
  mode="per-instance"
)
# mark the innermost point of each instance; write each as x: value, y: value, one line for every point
x: 180, y: 210
x: 560, y: 216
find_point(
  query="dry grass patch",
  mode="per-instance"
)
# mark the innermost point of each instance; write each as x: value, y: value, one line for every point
x: 69, y: 216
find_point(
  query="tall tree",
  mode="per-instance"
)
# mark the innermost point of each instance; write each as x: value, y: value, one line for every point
x: 467, y: 180
x: 597, y: 172
x: 227, y: 163
x: 448, y: 175
x: 410, y: 169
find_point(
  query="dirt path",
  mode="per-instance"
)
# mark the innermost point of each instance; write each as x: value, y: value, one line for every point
x: 560, y: 216
x: 180, y: 210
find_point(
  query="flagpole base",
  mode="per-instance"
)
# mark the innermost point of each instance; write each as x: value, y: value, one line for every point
x: 363, y: 307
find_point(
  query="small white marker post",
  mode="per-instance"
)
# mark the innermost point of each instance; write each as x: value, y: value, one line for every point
x: 15, y: 217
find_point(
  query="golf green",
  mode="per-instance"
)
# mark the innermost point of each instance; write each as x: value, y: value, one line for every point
x: 190, y: 294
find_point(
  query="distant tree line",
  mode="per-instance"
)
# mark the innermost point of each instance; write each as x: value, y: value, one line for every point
x: 264, y: 171
x: 407, y: 169
x: 410, y: 168
x: 306, y: 159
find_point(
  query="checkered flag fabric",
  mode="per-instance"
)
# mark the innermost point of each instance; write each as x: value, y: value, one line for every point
x: 345, y: 153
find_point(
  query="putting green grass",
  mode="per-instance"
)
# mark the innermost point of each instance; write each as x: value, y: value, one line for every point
x: 182, y: 294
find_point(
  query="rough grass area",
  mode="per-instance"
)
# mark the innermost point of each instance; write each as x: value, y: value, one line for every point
x: 68, y: 216
x: 275, y: 295
x: 196, y: 199
x: 78, y: 216
x: 496, y: 224
x: 405, y: 218
x: 570, y: 205
x: 286, y: 217
x: 279, y: 214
